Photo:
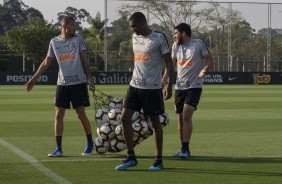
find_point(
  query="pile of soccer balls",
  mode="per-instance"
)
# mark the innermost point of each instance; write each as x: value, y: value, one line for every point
x: 109, y: 128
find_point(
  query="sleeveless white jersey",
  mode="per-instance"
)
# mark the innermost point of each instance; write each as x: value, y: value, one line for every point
x: 67, y: 54
x: 148, y: 58
x: 190, y: 62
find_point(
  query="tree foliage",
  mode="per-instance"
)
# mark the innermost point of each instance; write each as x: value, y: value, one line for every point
x: 80, y: 16
x: 31, y: 38
x: 15, y: 13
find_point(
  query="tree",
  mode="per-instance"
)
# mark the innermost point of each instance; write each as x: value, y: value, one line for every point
x: 79, y: 15
x: 15, y: 13
x: 31, y: 39
x: 119, y: 43
x: 167, y: 13
x: 94, y: 36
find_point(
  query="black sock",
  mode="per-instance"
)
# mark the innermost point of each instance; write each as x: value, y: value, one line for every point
x: 131, y: 155
x: 89, y: 139
x: 159, y: 158
x: 59, y: 141
x: 185, y: 146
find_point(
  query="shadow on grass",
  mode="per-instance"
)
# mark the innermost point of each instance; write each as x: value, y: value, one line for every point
x: 207, y: 158
x: 232, y: 159
x: 225, y: 172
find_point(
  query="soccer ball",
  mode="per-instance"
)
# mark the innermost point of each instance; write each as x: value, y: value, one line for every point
x: 164, y: 119
x: 138, y: 139
x: 140, y: 127
x: 101, y: 116
x: 150, y: 130
x: 114, y: 117
x: 118, y: 132
x: 117, y: 145
x: 101, y: 145
x: 106, y: 131
x: 141, y: 114
x: 135, y: 116
x: 116, y: 103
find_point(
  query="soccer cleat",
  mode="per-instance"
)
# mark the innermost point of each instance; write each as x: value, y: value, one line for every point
x: 88, y: 150
x: 157, y: 166
x: 185, y: 154
x: 126, y: 164
x: 176, y: 155
x: 56, y: 153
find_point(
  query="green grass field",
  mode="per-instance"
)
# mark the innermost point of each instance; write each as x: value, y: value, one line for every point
x: 237, y: 138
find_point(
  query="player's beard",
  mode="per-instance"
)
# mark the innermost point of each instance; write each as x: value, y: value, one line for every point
x: 180, y: 40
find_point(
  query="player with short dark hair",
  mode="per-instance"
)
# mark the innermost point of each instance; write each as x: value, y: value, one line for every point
x: 192, y: 59
x: 145, y: 90
x: 70, y: 52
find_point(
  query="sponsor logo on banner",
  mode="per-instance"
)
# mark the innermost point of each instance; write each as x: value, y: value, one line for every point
x: 24, y: 78
x: 213, y: 78
x: 232, y: 78
x: 262, y: 79
x: 112, y: 78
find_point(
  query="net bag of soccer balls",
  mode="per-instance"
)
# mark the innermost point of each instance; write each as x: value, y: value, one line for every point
x: 109, y: 128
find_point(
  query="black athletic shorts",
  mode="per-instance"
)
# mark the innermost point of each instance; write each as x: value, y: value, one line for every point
x: 189, y: 96
x: 150, y: 100
x: 76, y: 94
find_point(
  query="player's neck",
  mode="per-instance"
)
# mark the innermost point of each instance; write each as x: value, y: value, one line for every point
x: 64, y: 35
x: 186, y: 40
x: 147, y: 32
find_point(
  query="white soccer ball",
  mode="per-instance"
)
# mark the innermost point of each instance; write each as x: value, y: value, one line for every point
x: 138, y: 139
x: 114, y: 117
x: 116, y: 103
x: 117, y: 145
x: 101, y: 145
x: 101, y: 116
x: 118, y: 132
x: 106, y: 131
x: 135, y: 116
x: 164, y: 120
x: 140, y: 127
x: 150, y: 130
x: 141, y: 114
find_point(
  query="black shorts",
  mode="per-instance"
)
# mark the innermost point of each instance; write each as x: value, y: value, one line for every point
x: 189, y: 96
x: 150, y: 100
x: 76, y: 94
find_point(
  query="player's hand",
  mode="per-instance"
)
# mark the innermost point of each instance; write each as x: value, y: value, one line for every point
x: 168, y: 93
x: 202, y: 73
x: 29, y: 85
x: 91, y: 85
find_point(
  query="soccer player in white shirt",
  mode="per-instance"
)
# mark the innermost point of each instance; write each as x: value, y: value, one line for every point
x: 192, y: 60
x: 69, y: 50
x: 145, y: 91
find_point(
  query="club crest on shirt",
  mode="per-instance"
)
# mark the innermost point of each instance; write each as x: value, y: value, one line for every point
x: 189, y: 52
x: 149, y: 44
x: 73, y: 44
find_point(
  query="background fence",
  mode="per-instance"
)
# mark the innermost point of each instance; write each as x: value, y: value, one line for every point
x: 243, y: 36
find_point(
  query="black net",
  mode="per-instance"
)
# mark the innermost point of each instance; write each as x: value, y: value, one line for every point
x: 101, y: 100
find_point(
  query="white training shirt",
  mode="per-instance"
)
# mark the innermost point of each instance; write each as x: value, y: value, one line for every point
x: 190, y: 62
x: 148, y: 58
x: 67, y: 53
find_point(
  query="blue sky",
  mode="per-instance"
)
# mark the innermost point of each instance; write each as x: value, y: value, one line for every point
x: 255, y: 14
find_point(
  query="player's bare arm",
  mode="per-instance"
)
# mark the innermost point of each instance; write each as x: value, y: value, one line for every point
x: 42, y: 68
x: 209, y: 65
x: 169, y: 75
x: 165, y: 76
x: 86, y: 68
